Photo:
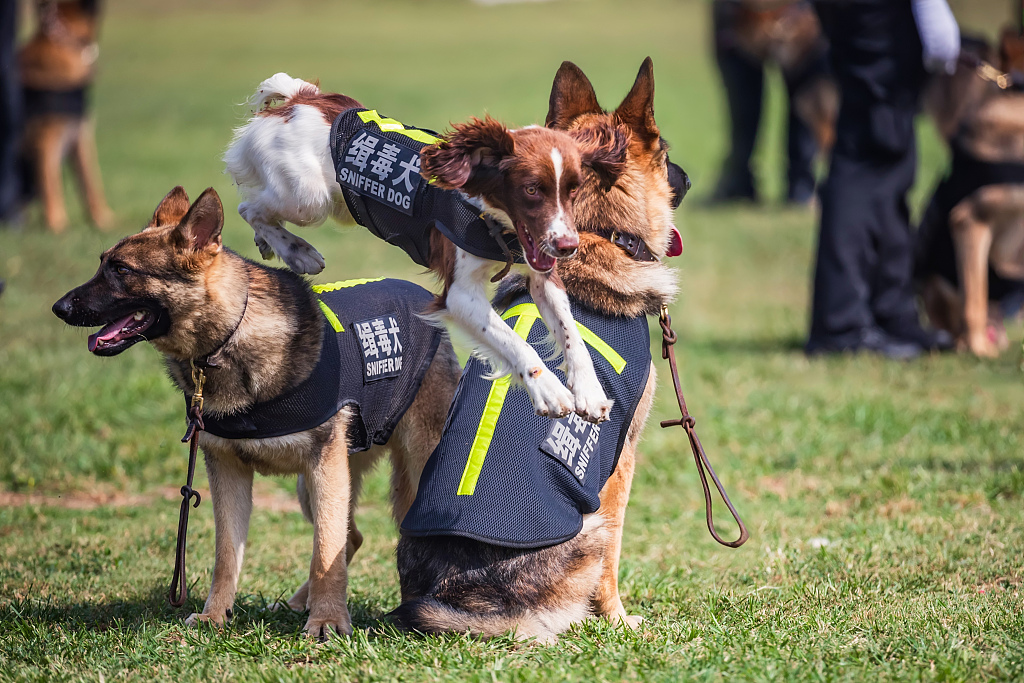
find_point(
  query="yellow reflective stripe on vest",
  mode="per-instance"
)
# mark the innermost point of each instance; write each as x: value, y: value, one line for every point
x: 333, y: 287
x: 492, y: 409
x: 392, y: 126
x: 528, y: 315
x: 344, y: 284
x: 331, y: 318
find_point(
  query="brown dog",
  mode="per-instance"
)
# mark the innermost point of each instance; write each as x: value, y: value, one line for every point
x: 57, y: 67
x: 265, y: 338
x: 970, y: 245
x: 455, y: 580
x: 787, y: 33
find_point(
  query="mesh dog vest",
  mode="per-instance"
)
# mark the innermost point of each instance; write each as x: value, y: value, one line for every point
x: 375, y: 352
x: 377, y: 161
x: 505, y: 476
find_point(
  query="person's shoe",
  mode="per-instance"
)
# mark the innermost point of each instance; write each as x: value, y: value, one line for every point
x: 927, y: 339
x: 871, y: 339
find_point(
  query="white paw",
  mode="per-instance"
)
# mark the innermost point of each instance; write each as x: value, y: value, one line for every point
x: 590, y: 401
x: 550, y: 398
x: 301, y: 257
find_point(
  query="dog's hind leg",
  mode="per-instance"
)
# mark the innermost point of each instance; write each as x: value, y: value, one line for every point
x: 87, y: 169
x: 614, y: 497
x: 231, y: 491
x: 272, y: 238
x: 581, y: 379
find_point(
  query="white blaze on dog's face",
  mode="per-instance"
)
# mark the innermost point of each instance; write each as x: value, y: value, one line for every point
x: 529, y: 175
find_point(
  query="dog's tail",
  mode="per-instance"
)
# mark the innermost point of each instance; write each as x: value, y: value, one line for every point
x: 428, y: 615
x: 280, y: 86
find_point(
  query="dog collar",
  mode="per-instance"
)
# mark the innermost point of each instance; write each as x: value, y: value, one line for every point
x: 212, y: 359
x: 628, y: 242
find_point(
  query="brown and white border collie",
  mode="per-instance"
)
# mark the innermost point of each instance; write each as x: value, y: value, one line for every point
x: 524, y: 179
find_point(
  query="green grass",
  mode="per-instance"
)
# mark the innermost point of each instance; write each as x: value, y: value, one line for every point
x: 884, y: 499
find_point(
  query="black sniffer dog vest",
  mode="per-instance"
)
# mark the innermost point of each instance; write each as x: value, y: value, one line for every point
x: 376, y: 349
x: 63, y: 102
x: 505, y: 476
x: 934, y: 250
x: 377, y: 161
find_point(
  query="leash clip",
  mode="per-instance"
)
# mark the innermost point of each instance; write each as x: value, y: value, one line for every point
x: 198, y: 379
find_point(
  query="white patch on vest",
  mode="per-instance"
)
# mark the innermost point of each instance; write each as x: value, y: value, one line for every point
x: 572, y: 442
x: 381, y: 341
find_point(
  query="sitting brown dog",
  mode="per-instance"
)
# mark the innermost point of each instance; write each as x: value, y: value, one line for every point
x: 970, y: 245
x: 57, y: 66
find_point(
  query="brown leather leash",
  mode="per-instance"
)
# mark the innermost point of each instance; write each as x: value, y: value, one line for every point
x: 686, y: 421
x: 179, y: 586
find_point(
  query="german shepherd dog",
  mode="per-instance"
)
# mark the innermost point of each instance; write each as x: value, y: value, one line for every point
x: 57, y: 67
x: 970, y: 244
x: 451, y: 583
x: 176, y: 286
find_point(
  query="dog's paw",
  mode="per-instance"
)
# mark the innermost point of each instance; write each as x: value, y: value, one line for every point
x: 301, y: 257
x: 590, y: 401
x: 982, y: 347
x: 266, y: 251
x: 324, y: 628
x: 549, y: 396
x: 633, y: 621
x: 196, y: 618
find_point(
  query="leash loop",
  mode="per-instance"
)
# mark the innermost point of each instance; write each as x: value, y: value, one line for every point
x: 686, y: 421
x: 179, y: 586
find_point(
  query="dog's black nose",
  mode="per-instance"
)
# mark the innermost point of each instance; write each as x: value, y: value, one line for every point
x: 62, y: 309
x: 679, y: 182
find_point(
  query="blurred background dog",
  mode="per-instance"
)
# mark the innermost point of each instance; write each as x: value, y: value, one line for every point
x: 970, y: 243
x: 57, y: 67
x: 750, y: 36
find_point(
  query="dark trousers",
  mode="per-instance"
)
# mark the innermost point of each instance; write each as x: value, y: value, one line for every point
x: 10, y: 111
x: 864, y: 263
x: 743, y: 79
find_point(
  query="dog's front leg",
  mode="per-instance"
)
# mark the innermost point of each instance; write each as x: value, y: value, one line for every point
x: 87, y: 167
x: 329, y: 487
x: 468, y: 307
x: 973, y: 240
x: 548, y: 293
x: 231, y: 491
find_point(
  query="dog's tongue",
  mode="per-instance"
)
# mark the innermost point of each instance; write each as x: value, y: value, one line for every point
x: 541, y: 260
x: 109, y: 332
x: 675, y: 243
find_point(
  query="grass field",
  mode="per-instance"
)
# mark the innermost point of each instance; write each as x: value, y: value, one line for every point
x: 884, y: 499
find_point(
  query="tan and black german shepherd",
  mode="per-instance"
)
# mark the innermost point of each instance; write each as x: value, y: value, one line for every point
x: 176, y: 286
x: 970, y: 244
x: 451, y: 583
x: 57, y: 68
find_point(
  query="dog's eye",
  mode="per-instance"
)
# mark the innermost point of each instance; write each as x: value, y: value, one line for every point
x: 573, y: 189
x: 531, y: 190
x: 123, y: 270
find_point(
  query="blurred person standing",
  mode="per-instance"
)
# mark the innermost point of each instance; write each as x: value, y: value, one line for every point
x: 863, y: 297
x: 10, y: 112
x: 748, y: 36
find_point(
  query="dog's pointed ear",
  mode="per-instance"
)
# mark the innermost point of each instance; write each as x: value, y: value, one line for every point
x: 637, y: 109
x: 572, y: 95
x: 603, y: 148
x: 171, y: 208
x: 201, y: 226
x: 463, y: 158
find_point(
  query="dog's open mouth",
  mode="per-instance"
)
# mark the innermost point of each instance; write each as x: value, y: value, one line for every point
x: 115, y: 337
x: 536, y: 257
